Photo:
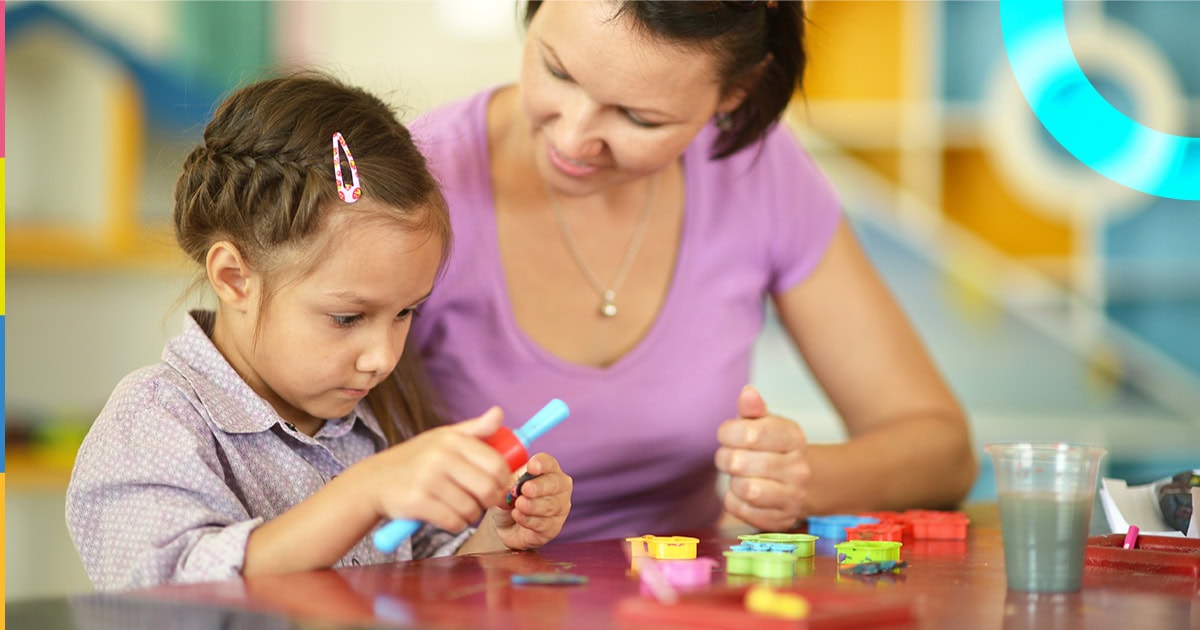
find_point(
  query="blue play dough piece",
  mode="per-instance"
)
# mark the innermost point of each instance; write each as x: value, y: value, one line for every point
x: 549, y: 579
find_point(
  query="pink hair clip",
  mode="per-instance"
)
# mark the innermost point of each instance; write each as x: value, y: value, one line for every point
x: 350, y: 193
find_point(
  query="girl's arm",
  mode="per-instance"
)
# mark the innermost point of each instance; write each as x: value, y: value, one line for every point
x: 315, y: 533
x: 446, y: 477
x: 150, y: 500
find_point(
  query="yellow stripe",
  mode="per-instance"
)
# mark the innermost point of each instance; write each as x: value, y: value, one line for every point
x: 125, y: 183
x: 58, y: 248
x: 2, y: 562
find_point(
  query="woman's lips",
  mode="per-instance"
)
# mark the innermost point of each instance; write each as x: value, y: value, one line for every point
x: 568, y: 166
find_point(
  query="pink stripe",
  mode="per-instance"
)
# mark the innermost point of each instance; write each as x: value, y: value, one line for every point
x: 1, y: 78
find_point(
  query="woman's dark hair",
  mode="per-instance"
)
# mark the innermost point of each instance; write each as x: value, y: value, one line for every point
x: 741, y: 34
x: 263, y: 180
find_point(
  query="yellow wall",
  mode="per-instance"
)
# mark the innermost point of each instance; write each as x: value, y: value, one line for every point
x: 867, y: 91
x: 856, y: 50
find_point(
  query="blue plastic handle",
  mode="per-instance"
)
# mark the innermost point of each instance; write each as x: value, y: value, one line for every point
x: 389, y: 537
x: 545, y: 419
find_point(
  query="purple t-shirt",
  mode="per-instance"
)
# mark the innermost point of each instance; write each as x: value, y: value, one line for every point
x: 643, y: 431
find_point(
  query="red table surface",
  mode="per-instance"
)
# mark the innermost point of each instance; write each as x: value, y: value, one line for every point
x: 947, y: 584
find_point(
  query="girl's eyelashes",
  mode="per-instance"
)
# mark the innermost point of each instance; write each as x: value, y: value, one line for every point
x: 346, y: 321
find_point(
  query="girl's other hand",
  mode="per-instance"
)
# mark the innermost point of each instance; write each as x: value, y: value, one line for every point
x: 538, y: 514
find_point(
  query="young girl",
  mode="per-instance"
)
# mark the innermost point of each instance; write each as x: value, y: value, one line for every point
x: 278, y: 431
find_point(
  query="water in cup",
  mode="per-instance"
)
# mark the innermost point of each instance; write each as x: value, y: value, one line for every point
x: 1045, y: 492
x: 1044, y: 540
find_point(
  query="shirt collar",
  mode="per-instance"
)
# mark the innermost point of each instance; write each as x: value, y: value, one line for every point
x: 232, y: 405
x: 339, y: 427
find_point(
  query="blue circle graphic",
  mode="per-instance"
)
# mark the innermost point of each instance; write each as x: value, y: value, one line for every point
x: 1080, y: 119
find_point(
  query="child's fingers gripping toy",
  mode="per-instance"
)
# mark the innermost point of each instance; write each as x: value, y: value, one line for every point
x: 513, y: 445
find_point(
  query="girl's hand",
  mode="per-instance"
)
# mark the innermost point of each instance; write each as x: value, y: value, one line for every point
x: 767, y: 462
x: 537, y: 515
x: 446, y: 476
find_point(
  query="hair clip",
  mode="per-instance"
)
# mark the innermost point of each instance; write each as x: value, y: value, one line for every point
x: 350, y: 193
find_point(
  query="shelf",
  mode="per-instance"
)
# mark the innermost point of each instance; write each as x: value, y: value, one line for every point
x: 58, y: 249
x: 27, y: 469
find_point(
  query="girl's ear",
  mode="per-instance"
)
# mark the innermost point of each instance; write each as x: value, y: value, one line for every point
x: 231, y: 278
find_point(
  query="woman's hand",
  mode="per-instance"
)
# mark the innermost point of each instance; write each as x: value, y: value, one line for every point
x: 446, y: 476
x: 538, y: 514
x: 766, y: 459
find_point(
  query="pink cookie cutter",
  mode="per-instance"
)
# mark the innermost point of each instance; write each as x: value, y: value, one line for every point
x: 680, y: 574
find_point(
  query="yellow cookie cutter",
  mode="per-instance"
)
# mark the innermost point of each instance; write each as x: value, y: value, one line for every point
x: 663, y: 547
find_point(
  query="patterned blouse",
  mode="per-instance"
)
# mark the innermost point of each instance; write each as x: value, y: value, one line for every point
x: 185, y: 460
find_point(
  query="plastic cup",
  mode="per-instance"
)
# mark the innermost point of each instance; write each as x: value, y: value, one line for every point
x: 1045, y: 492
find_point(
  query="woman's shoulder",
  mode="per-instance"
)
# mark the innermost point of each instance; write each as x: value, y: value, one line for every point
x: 772, y: 198
x: 776, y: 169
x: 778, y: 153
x: 444, y: 129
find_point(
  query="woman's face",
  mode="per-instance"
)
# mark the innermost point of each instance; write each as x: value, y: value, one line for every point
x: 606, y: 105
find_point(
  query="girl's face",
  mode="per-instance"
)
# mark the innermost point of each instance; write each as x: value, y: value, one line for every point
x: 328, y: 338
x: 605, y: 104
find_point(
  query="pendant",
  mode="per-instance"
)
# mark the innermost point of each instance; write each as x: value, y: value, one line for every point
x: 608, y: 309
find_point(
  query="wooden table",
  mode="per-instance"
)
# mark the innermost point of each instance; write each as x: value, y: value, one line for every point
x: 947, y: 584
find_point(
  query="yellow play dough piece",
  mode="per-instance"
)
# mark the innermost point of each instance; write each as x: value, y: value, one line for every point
x: 767, y: 601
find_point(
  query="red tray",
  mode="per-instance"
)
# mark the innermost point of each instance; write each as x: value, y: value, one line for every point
x: 725, y: 608
x: 1166, y: 555
x: 893, y: 532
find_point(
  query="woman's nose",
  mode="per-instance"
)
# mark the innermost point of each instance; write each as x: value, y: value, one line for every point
x: 578, y: 130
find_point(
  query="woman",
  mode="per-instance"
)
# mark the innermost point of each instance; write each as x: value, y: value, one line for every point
x: 620, y: 216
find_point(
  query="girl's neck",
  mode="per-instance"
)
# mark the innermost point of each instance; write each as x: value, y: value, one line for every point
x: 225, y: 336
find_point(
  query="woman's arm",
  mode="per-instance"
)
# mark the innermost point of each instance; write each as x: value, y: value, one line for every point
x: 909, y: 443
x: 909, y: 439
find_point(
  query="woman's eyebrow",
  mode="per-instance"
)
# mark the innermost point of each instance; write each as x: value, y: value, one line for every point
x: 640, y: 110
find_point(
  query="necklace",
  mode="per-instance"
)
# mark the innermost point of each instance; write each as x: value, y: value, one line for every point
x: 608, y: 294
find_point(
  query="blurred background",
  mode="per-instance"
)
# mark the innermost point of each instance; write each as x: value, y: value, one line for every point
x: 1058, y: 305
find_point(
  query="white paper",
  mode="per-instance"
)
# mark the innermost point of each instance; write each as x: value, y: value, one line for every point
x: 1126, y: 505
